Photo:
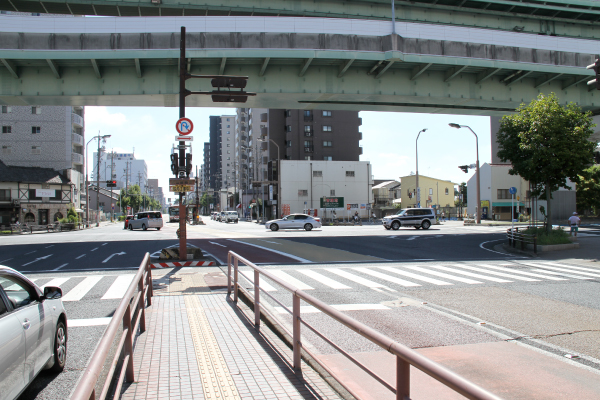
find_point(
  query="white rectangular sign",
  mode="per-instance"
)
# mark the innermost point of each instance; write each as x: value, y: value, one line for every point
x: 45, y: 193
x: 184, y: 138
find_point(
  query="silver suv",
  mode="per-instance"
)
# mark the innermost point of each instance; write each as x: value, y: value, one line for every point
x: 416, y: 217
x: 230, y: 216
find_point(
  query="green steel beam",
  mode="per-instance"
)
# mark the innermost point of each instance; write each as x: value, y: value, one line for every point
x: 418, y: 70
x: 138, y: 68
x: 546, y: 79
x: 53, y: 68
x: 305, y: 67
x: 344, y: 67
x: 264, y: 66
x: 10, y: 66
x: 454, y: 72
x: 486, y: 74
x: 96, y: 68
x: 388, y: 65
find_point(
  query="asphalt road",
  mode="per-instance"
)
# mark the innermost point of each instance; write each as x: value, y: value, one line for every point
x: 423, y: 288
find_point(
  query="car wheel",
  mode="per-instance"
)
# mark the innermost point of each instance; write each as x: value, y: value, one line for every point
x: 426, y: 224
x: 274, y: 227
x: 308, y: 227
x: 417, y: 227
x: 130, y: 227
x: 60, y: 347
x: 158, y: 229
x: 144, y: 227
x: 395, y: 225
x: 387, y: 228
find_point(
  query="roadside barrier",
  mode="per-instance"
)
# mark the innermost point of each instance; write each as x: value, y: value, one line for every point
x: 514, y: 236
x: 131, y: 314
x: 405, y: 356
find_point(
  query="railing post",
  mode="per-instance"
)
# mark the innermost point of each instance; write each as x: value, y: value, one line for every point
x: 93, y: 395
x: 402, y: 379
x: 129, y: 374
x: 296, y: 332
x: 141, y: 308
x: 235, y: 280
x: 228, y: 274
x: 535, y: 244
x: 256, y: 298
x: 149, y: 283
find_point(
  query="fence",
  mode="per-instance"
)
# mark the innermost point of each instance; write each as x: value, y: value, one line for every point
x: 405, y: 357
x: 132, y: 315
x: 514, y: 236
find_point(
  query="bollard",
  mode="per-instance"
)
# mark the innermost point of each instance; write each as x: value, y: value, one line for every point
x: 296, y: 332
x: 256, y: 298
x: 402, y: 379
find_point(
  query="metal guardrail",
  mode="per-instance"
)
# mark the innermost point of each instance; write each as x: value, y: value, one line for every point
x: 405, y: 356
x: 514, y: 236
x: 131, y: 314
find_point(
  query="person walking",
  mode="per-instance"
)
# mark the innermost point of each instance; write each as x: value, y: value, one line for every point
x: 443, y: 217
x: 574, y: 221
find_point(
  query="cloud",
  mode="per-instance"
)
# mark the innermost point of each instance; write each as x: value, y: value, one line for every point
x: 103, y: 116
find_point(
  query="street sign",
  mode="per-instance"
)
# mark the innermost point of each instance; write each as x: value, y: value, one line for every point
x: 348, y: 207
x: 180, y: 188
x: 184, y: 138
x: 182, y: 181
x: 184, y: 126
x: 332, y: 202
x: 512, y: 190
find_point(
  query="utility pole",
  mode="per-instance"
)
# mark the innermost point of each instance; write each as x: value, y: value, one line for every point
x: 112, y: 165
x: 98, y: 186
x: 197, y: 198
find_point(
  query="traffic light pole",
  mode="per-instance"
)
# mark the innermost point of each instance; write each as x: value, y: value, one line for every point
x: 182, y: 95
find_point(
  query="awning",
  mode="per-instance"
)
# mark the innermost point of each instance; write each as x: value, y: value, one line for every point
x: 79, y: 210
x: 507, y: 204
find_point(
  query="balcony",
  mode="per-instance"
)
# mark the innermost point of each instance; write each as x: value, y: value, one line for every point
x: 360, y: 150
x: 244, y: 156
x: 263, y: 132
x: 308, y: 148
x: 76, y: 120
x: 309, y: 133
x: 77, y: 158
x: 264, y: 117
x: 76, y: 139
x: 264, y: 145
x: 308, y: 118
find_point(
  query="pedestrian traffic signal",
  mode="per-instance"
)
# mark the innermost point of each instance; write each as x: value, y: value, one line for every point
x: 175, y: 164
x: 596, y: 67
x: 465, y: 168
x: 111, y: 183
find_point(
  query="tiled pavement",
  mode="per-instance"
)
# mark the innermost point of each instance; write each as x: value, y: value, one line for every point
x: 199, y: 345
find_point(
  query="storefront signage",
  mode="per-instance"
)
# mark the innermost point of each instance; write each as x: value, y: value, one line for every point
x: 332, y: 202
x: 45, y: 193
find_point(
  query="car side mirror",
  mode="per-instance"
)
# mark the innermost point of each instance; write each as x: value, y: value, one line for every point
x: 52, y: 292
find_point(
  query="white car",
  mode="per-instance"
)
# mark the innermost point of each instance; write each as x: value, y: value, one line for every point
x: 294, y: 221
x: 33, y: 326
x: 146, y: 219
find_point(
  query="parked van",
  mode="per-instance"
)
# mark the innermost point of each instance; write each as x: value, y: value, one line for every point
x: 146, y: 219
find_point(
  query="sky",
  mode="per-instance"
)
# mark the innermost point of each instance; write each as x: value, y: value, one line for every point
x: 388, y: 139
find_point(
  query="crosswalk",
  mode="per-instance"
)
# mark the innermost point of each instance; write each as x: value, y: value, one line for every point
x: 399, y: 275
x: 75, y: 288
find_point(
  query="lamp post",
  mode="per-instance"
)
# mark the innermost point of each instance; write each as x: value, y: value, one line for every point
x: 278, y: 208
x: 418, y: 194
x: 457, y: 126
x: 87, y: 196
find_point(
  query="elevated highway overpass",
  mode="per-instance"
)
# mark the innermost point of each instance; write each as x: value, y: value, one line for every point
x: 291, y: 63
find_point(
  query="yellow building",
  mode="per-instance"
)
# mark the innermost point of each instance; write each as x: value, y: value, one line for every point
x: 434, y: 192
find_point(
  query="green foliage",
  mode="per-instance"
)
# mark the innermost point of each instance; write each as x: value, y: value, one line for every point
x: 134, y: 198
x: 206, y: 199
x: 71, y: 216
x: 547, y: 143
x: 588, y: 190
x: 397, y: 205
x: 555, y: 236
x: 121, y: 218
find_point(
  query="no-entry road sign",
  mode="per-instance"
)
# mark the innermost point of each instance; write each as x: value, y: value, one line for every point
x: 184, y: 126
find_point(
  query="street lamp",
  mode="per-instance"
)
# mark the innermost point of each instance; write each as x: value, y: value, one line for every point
x: 87, y: 196
x: 457, y: 126
x: 278, y: 177
x: 418, y: 194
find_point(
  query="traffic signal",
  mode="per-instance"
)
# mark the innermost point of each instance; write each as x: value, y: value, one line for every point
x: 465, y: 168
x: 175, y: 164
x: 111, y: 183
x: 596, y: 67
x: 188, y: 164
x: 229, y: 82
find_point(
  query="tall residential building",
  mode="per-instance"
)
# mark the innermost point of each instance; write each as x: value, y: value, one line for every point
x: 47, y: 137
x: 126, y: 170
x: 221, y: 152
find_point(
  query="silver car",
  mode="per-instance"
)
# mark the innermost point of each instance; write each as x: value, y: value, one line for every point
x: 294, y: 221
x: 146, y: 219
x: 33, y: 326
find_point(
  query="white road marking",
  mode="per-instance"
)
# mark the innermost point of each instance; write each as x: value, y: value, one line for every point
x: 385, y: 277
x: 47, y: 247
x: 415, y: 276
x: 471, y: 274
x: 104, y: 244
x: 218, y: 244
x: 355, y: 278
x: 323, y: 279
x: 112, y: 255
x: 340, y: 307
x: 412, y: 238
x: 81, y: 289
x: 268, y: 241
x: 31, y: 252
x: 443, y: 275
x: 95, y: 249
x: 302, y: 260
x: 55, y: 282
x: 263, y: 284
x: 37, y: 259
x: 77, y: 258
x: 494, y: 251
x: 572, y: 267
x: 562, y: 274
x: 552, y: 278
x: 75, y: 323
x: 512, y: 276
x: 377, y: 290
x: 64, y: 265
x: 291, y: 280
x: 8, y: 259
x: 119, y: 287
x: 567, y: 270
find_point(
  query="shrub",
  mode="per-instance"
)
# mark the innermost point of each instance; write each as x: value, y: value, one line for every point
x: 556, y: 236
x: 121, y: 218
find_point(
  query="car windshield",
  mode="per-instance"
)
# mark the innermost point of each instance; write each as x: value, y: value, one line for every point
x: 232, y: 213
x: 401, y: 212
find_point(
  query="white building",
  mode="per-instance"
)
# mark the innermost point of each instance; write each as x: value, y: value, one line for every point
x: 304, y: 183
x: 126, y: 170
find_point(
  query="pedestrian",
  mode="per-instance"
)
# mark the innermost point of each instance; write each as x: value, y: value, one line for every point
x: 334, y: 216
x: 373, y: 216
x: 443, y: 217
x: 574, y: 221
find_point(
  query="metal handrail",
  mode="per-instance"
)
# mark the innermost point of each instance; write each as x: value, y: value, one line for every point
x: 405, y: 356
x: 513, y: 235
x: 131, y: 314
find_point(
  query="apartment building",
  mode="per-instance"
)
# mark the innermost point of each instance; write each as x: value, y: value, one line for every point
x: 46, y: 137
x: 125, y: 168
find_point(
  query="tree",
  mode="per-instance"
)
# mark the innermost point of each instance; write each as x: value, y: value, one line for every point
x: 588, y: 190
x: 547, y: 143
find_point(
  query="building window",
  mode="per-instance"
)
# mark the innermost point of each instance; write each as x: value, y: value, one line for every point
x: 328, y: 158
x: 6, y: 129
x: 326, y: 128
x: 332, y: 192
x: 327, y: 143
x: 307, y: 128
x: 36, y: 110
x: 288, y: 128
x: 6, y: 109
x: 307, y: 157
x: 4, y: 194
x: 228, y: 152
x: 350, y: 173
x: 446, y: 191
x: 307, y: 113
x: 228, y: 145
x: 430, y: 191
x: 36, y: 129
x: 317, y: 174
x: 228, y: 138
x: 229, y: 158
x: 288, y: 113
x: 303, y: 192
x: 288, y: 143
x: 326, y: 113
x: 503, y: 194
x: 227, y: 119
x: 36, y: 149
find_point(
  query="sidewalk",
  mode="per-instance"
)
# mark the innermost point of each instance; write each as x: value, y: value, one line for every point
x: 199, y: 345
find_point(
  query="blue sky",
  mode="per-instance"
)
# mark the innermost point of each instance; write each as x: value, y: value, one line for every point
x: 388, y: 139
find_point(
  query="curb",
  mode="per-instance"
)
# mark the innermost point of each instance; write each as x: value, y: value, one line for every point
x: 184, y: 264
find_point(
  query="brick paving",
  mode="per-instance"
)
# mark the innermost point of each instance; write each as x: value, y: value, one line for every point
x: 199, y: 345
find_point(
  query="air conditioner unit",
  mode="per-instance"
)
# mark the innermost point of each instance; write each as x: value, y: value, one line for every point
x: 16, y: 202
